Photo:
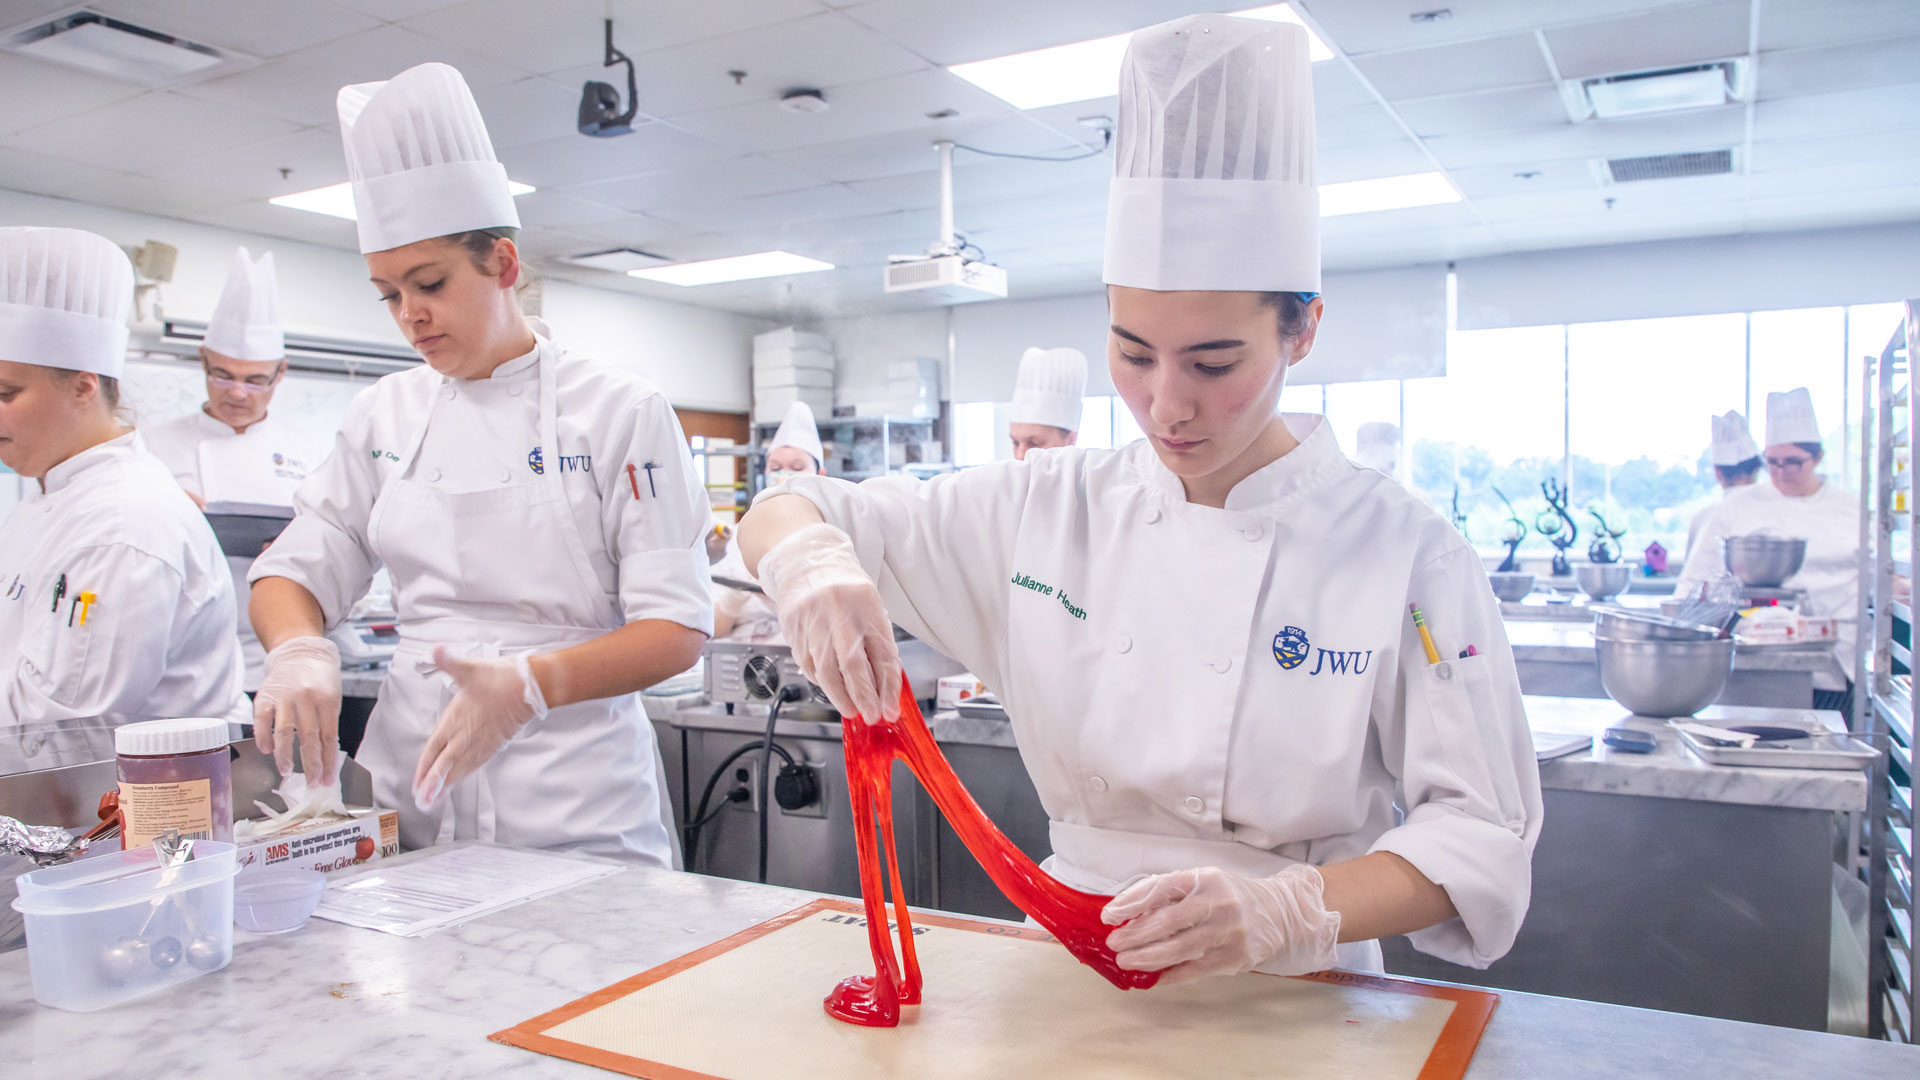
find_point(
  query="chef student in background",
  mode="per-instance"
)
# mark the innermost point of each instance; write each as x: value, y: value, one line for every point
x: 1799, y: 502
x: 230, y: 449
x: 538, y: 512
x: 118, y: 602
x: 1203, y: 638
x: 744, y: 616
x: 1046, y: 400
x: 1736, y: 467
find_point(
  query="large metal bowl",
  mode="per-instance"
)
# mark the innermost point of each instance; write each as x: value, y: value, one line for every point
x: 1633, y: 624
x: 1763, y: 561
x: 1664, y: 678
x: 1511, y: 586
x: 1603, y: 581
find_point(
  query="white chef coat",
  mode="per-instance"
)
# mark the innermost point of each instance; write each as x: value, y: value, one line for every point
x: 1701, y: 515
x: 158, y: 639
x: 504, y: 512
x: 1829, y: 521
x: 755, y: 620
x: 264, y: 465
x: 1237, y: 687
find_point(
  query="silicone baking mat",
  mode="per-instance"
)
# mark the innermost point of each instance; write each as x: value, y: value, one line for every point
x: 1001, y: 1001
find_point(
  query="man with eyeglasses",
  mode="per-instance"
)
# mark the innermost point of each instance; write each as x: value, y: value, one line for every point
x: 228, y: 451
x: 1799, y: 502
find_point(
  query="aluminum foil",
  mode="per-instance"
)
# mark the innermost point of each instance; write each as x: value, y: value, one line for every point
x: 44, y: 844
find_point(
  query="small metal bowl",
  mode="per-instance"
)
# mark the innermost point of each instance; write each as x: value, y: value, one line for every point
x: 1632, y: 624
x: 1763, y: 562
x: 1603, y: 581
x: 1511, y: 586
x: 1664, y: 678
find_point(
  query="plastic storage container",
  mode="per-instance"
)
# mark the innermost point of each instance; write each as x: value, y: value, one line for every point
x: 174, y: 774
x: 110, y: 929
x: 277, y: 899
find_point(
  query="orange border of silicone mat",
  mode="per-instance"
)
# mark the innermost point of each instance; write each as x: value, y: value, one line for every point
x: 1452, y: 1051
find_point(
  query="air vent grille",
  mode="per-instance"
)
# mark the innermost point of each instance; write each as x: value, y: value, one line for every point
x: 1670, y: 166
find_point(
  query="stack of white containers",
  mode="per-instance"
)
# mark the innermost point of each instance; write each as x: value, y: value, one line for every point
x: 791, y: 365
x: 913, y: 388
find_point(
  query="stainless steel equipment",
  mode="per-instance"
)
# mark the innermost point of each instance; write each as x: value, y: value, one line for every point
x: 1511, y: 585
x: 1763, y: 561
x: 1611, y: 621
x: 1664, y: 678
x: 1603, y: 581
x: 743, y: 674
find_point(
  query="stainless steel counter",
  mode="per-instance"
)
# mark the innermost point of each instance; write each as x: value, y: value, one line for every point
x: 337, y: 1001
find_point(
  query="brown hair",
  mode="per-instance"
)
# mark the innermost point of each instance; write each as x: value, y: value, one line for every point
x: 109, y: 386
x: 478, y: 244
x: 1290, y: 309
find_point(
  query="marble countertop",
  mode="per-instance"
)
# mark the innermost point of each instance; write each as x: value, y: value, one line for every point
x: 1671, y: 771
x: 1555, y: 642
x: 337, y: 1001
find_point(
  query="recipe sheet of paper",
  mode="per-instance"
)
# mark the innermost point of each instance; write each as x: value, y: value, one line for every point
x: 417, y: 898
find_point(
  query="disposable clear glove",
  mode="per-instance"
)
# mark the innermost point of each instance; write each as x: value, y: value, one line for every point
x: 299, y: 699
x: 832, y: 615
x: 492, y: 701
x: 1194, y: 923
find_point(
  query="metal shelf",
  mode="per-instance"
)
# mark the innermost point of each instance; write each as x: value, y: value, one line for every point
x: 1903, y: 612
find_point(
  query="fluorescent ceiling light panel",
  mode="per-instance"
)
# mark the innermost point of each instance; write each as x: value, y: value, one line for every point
x: 1637, y: 95
x: 1085, y: 70
x: 618, y: 260
x: 118, y: 50
x: 336, y: 200
x: 764, y: 264
x: 1386, y: 193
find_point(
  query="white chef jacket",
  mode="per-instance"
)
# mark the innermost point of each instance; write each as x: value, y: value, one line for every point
x: 1701, y: 516
x: 158, y: 639
x: 503, y: 541
x: 1829, y: 521
x: 264, y: 464
x: 1238, y: 687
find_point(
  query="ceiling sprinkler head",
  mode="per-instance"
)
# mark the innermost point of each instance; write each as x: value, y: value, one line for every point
x: 804, y: 100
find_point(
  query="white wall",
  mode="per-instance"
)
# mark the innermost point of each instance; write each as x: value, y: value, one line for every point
x: 863, y: 346
x: 697, y: 356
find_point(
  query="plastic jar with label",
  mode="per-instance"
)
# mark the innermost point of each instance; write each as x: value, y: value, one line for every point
x: 174, y: 774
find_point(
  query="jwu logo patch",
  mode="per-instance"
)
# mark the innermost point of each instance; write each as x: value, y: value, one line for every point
x: 1290, y: 647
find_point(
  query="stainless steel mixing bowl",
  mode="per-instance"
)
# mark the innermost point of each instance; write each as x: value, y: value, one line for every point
x: 1664, y: 678
x: 1603, y: 581
x: 1512, y: 585
x: 1763, y: 561
x: 1633, y: 624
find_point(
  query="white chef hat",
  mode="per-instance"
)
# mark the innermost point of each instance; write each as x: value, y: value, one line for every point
x: 1790, y: 418
x: 246, y: 321
x: 64, y: 297
x: 1213, y: 169
x: 420, y: 160
x: 1049, y: 388
x: 1732, y: 442
x: 798, y: 430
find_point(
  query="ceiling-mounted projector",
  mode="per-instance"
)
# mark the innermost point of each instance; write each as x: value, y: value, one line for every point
x: 945, y: 272
x: 600, y: 112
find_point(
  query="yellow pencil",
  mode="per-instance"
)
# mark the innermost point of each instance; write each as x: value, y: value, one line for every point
x: 1420, y: 624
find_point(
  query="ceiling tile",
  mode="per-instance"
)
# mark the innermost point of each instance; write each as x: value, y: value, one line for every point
x: 1335, y: 86
x: 1770, y: 155
x: 1367, y: 161
x: 262, y: 28
x: 1529, y: 179
x: 302, y: 86
x: 40, y: 175
x: 994, y: 180
x: 1795, y: 24
x: 1373, y: 251
x: 1887, y: 108
x: 900, y: 103
x: 1360, y: 124
x: 527, y: 111
x: 820, y: 52
x: 702, y: 182
x: 1444, y: 215
x: 1367, y: 26
x: 1494, y: 110
x: 152, y: 131
x: 826, y: 202
x: 561, y: 35
x: 551, y: 210
x: 396, y: 10
x: 623, y: 230
x: 36, y: 93
x: 571, y: 160
x: 947, y: 32
x: 1816, y: 210
x: 1513, y: 60
x: 1709, y: 129
x: 1851, y: 177
x: 903, y: 152
x: 1838, y: 67
x: 312, y: 158
x: 1686, y: 35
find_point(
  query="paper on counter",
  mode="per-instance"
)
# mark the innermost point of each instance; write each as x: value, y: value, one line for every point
x: 418, y: 898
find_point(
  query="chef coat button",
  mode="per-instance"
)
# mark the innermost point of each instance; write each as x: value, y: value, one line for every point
x: 1153, y: 514
x: 1222, y: 665
x: 433, y: 476
x: 1444, y: 672
x: 513, y: 391
x: 505, y: 475
x: 1253, y: 532
x: 1195, y: 804
x: 1097, y: 783
x: 1123, y: 644
x: 452, y: 393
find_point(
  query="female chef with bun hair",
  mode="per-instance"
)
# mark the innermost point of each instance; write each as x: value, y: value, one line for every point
x: 537, y: 510
x: 1203, y: 638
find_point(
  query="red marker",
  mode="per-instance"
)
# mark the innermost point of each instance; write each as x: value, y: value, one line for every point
x: 634, y: 480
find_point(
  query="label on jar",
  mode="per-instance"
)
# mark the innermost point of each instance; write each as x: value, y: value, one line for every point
x: 148, y: 810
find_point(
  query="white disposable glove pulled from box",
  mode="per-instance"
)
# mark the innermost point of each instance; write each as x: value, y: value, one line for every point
x: 299, y: 699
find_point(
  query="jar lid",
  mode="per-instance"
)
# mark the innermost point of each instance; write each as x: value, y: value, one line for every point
x: 153, y: 738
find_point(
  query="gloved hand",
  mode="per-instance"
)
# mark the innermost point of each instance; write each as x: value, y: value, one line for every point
x: 300, y: 699
x: 1193, y: 923
x: 492, y: 701
x: 832, y: 615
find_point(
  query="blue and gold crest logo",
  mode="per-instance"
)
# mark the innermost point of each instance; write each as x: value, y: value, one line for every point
x: 1290, y: 647
x: 279, y: 459
x: 536, y: 462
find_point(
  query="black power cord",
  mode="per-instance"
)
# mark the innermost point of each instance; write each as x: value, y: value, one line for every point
x: 690, y: 834
x: 789, y: 692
